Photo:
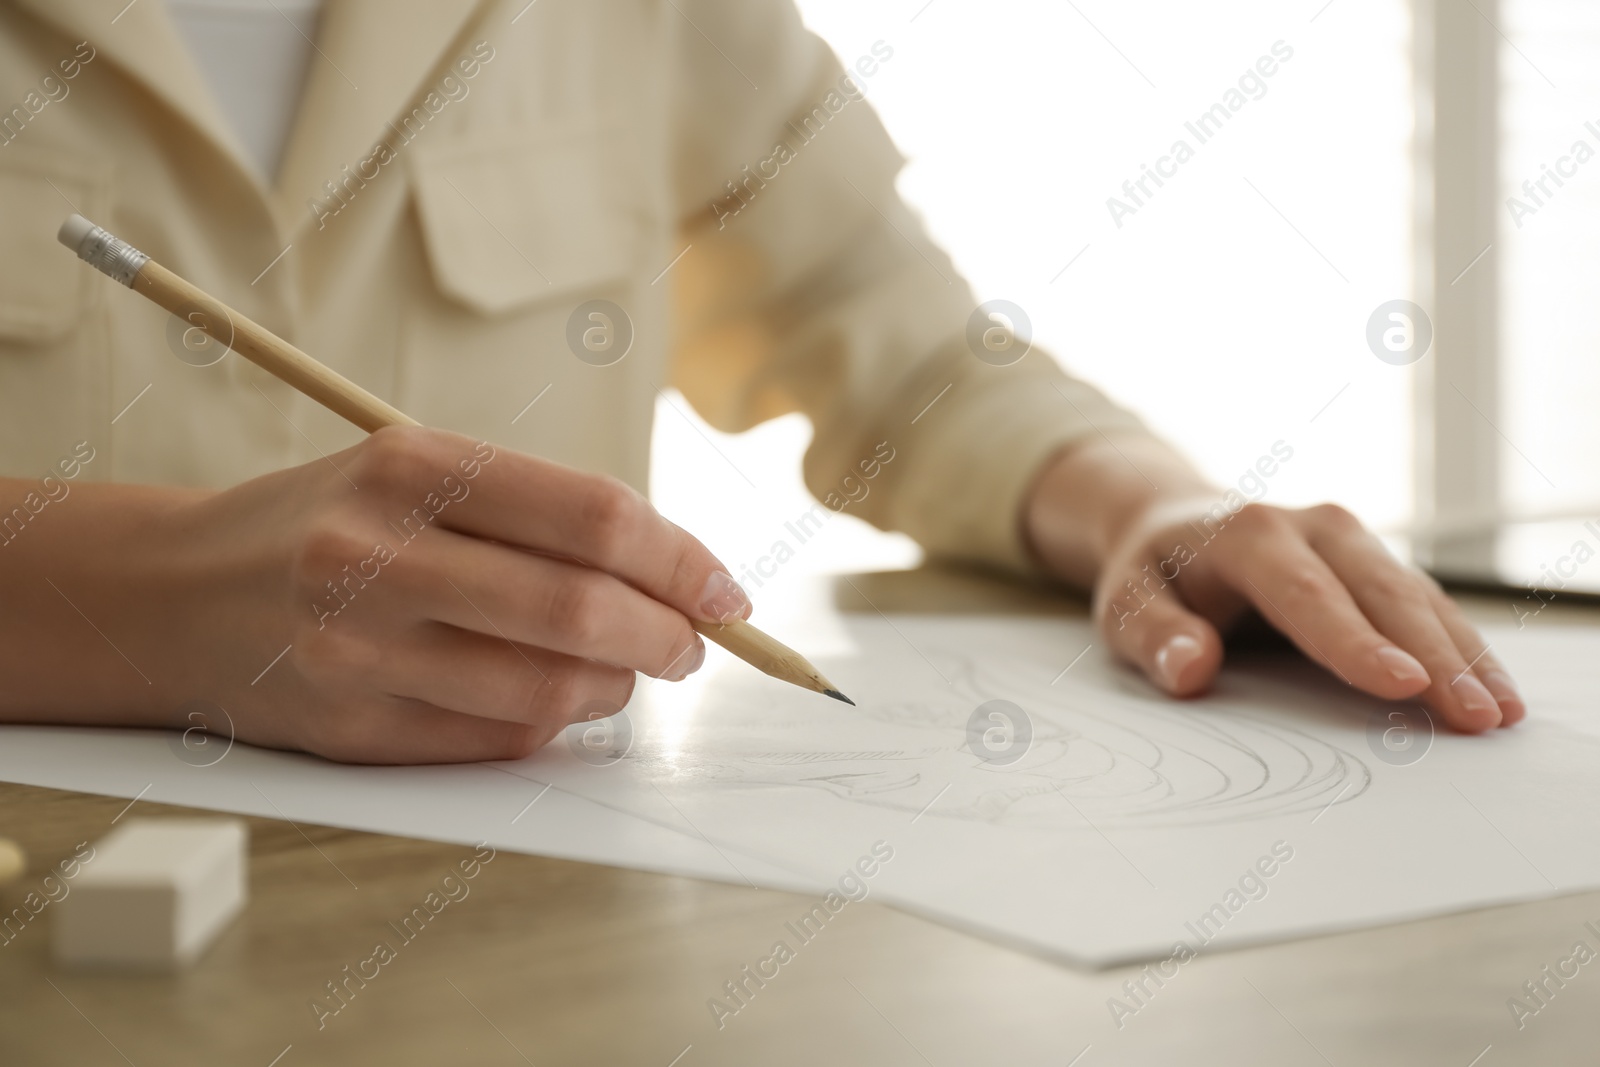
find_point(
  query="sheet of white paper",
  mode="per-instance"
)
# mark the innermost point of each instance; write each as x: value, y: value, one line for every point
x: 1126, y: 824
x: 1131, y: 822
x: 505, y: 805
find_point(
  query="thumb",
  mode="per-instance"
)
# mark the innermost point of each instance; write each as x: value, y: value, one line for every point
x: 1146, y: 623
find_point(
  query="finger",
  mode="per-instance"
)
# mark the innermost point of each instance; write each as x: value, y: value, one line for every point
x: 1294, y: 589
x: 1490, y: 671
x: 536, y: 600
x: 1146, y: 623
x: 534, y: 503
x: 1396, y: 601
x: 404, y: 731
x: 495, y: 678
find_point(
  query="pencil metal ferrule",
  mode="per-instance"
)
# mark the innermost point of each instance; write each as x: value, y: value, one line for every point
x: 107, y: 253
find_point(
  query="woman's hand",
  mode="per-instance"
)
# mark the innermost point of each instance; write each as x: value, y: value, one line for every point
x: 434, y: 599
x: 1173, y: 569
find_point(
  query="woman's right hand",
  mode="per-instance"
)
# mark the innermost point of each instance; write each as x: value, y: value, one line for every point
x: 434, y: 599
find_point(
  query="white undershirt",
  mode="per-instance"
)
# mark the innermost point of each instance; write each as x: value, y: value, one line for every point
x: 254, y: 54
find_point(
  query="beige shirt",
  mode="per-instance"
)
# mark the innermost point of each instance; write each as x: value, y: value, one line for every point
x: 463, y: 179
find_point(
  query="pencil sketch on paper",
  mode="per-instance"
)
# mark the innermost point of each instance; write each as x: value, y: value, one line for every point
x: 1096, y: 756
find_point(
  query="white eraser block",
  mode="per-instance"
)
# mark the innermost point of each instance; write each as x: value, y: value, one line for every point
x: 154, y: 895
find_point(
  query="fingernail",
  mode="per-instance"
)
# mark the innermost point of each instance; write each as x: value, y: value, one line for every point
x: 1402, y: 665
x: 1174, y: 656
x: 722, y: 599
x: 688, y: 661
x: 1499, y: 683
x: 1474, y: 697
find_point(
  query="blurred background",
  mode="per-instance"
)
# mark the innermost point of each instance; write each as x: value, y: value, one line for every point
x: 1231, y: 310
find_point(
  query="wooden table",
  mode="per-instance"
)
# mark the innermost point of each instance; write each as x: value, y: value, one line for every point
x: 554, y: 962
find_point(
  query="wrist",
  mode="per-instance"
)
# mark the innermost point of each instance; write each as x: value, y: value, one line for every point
x: 92, y: 630
x: 1088, y: 498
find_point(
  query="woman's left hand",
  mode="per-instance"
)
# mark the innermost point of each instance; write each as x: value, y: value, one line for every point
x: 1173, y: 571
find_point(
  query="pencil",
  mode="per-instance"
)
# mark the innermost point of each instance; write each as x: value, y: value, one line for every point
x: 768, y: 655
x: 132, y: 268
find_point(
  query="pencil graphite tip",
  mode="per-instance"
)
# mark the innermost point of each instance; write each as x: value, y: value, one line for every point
x: 835, y: 694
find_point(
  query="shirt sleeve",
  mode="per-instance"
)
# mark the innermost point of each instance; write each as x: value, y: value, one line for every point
x: 810, y: 286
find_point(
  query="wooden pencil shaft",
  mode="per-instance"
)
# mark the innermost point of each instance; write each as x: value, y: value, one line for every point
x: 764, y: 653
x: 266, y: 349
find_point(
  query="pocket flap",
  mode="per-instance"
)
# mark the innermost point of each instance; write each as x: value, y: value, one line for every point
x: 520, y: 218
x: 44, y: 289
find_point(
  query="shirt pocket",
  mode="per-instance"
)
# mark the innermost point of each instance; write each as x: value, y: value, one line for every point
x: 514, y: 219
x: 54, y: 336
x: 520, y: 231
x: 45, y: 292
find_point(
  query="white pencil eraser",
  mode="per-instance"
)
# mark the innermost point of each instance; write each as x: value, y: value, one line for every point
x: 154, y: 895
x: 73, y: 231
